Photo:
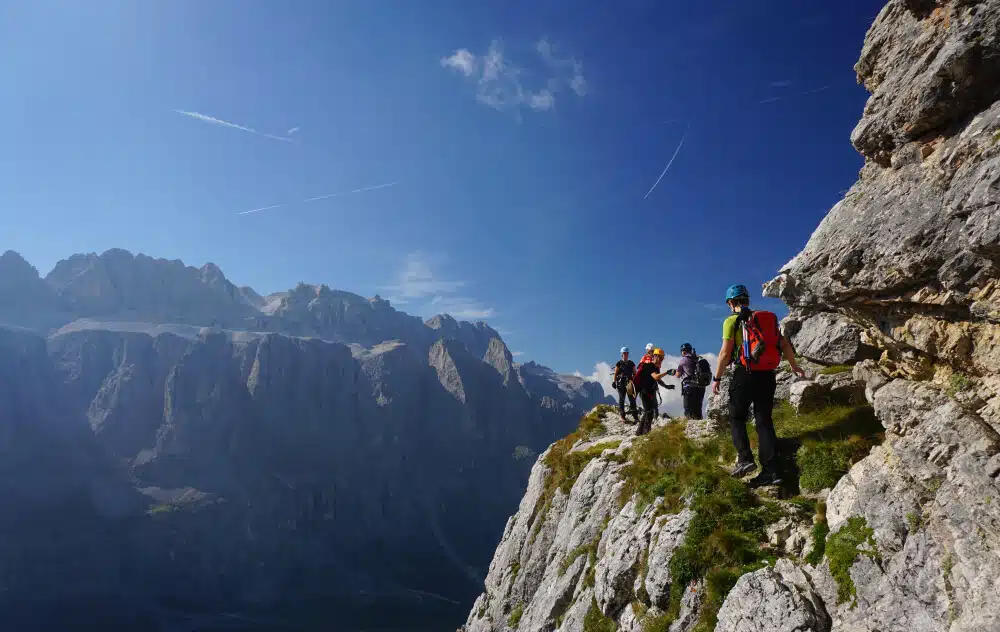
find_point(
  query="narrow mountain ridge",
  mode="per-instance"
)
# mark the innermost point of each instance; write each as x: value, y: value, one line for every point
x: 889, y: 518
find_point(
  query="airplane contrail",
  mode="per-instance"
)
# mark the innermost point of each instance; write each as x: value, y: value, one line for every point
x: 665, y: 169
x: 330, y: 195
x: 322, y: 197
x: 258, y: 210
x: 217, y: 121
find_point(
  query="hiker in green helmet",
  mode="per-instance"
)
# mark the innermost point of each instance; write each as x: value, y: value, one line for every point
x: 753, y: 343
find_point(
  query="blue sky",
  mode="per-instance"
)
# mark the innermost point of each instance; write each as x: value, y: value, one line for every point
x: 519, y: 139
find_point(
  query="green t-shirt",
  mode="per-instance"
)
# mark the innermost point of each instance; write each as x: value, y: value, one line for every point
x: 731, y: 332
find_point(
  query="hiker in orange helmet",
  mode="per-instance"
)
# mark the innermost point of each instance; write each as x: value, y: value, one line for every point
x: 647, y: 379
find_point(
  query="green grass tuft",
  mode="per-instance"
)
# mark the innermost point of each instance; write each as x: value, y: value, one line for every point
x: 595, y: 621
x: 161, y: 509
x: 515, y: 616
x: 915, y: 521
x: 515, y: 568
x: 832, y: 440
x: 843, y: 549
x: 958, y: 383
x: 835, y: 369
x: 819, y: 532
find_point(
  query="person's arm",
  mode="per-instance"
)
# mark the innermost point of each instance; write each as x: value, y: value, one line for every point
x: 725, y: 353
x: 659, y: 377
x: 614, y: 378
x: 789, y: 352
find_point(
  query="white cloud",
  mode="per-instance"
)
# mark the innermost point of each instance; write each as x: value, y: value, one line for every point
x: 506, y: 86
x: 292, y: 131
x: 217, y: 121
x: 671, y: 401
x: 517, y: 354
x: 544, y: 100
x: 419, y: 286
x: 462, y: 60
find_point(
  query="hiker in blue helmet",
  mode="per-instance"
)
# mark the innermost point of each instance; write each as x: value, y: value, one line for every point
x: 624, y: 370
x: 695, y: 374
x: 752, y: 342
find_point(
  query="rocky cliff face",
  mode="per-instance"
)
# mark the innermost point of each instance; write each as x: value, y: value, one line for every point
x: 163, y: 458
x: 896, y: 294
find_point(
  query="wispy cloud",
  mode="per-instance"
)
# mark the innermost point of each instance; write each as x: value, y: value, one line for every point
x: 797, y: 94
x: 505, y: 86
x: 322, y: 197
x: 783, y: 83
x: 517, y: 354
x: 665, y: 169
x: 217, y: 121
x: 461, y: 60
x: 419, y: 285
x: 292, y: 131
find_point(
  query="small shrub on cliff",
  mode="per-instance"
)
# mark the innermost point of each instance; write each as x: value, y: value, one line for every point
x: 958, y: 383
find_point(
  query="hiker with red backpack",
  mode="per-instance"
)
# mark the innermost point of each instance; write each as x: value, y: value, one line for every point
x: 752, y: 342
x: 647, y: 381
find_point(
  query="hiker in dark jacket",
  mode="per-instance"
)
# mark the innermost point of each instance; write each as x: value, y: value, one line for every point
x: 624, y: 371
x: 692, y: 394
x: 647, y: 381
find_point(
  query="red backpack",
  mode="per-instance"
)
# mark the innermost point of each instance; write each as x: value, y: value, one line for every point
x: 761, y: 348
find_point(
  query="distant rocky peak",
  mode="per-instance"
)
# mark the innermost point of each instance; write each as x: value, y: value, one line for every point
x: 14, y: 269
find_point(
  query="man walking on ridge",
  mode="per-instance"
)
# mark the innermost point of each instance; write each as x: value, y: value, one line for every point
x: 692, y: 384
x: 646, y: 380
x: 624, y: 372
x: 753, y: 343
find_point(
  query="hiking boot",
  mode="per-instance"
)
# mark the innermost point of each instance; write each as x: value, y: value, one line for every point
x: 765, y: 479
x: 742, y: 469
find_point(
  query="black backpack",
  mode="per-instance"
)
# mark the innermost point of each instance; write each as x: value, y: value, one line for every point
x: 704, y: 375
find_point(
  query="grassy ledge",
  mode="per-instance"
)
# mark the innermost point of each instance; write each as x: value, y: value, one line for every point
x: 830, y: 440
x: 843, y: 549
x: 835, y: 369
x: 726, y: 537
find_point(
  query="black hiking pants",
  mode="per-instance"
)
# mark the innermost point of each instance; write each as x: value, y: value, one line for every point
x: 694, y: 398
x: 649, y: 411
x: 622, y: 394
x: 757, y: 388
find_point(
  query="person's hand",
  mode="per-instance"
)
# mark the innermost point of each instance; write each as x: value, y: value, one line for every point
x: 797, y: 370
x: 715, y: 387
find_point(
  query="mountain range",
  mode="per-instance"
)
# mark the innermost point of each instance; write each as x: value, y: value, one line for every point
x: 178, y: 452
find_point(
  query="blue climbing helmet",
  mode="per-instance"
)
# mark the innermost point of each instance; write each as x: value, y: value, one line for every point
x: 624, y: 350
x: 737, y: 291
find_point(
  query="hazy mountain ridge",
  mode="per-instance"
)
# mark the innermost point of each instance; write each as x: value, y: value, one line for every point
x: 178, y: 452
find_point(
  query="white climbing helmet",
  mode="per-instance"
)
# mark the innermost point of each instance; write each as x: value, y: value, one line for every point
x: 649, y: 347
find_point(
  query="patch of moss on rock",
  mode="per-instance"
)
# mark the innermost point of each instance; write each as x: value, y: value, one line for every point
x: 595, y: 621
x: 854, y: 538
x: 515, y: 616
